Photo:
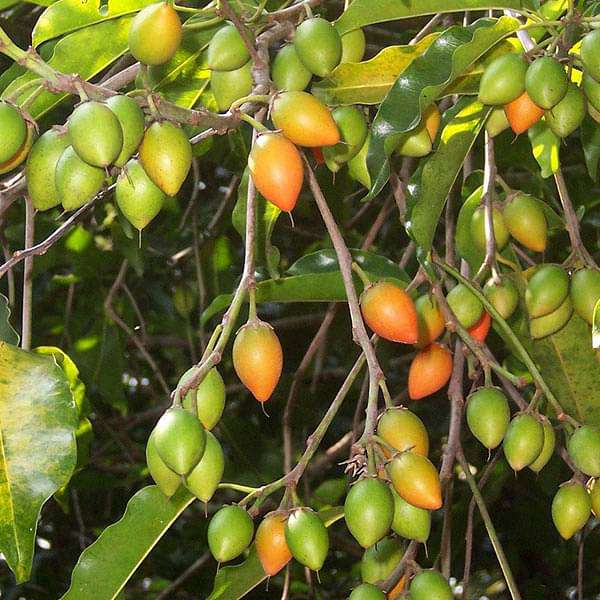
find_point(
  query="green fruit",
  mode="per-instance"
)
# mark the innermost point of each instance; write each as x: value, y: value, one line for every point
x: 180, y: 440
x: 503, y: 296
x: 585, y: 292
x: 478, y: 228
x: 591, y: 89
x: 95, y: 133
x: 380, y: 560
x: 523, y: 441
x: 307, y: 538
x: 368, y: 510
x: 553, y: 322
x: 546, y: 82
x: 465, y: 305
x: 595, y: 497
x: 488, y: 416
x: 353, y: 131
x: 547, y: 449
x: 503, y: 80
x: 546, y: 290
x: 430, y: 585
x: 210, y: 399
x: 415, y: 144
x: 230, y: 532
x: 229, y: 86
x: 165, y: 479
x: 357, y: 166
x: 137, y: 196
x: 367, y: 591
x: 131, y: 119
x: 590, y: 53
x: 77, y: 182
x: 584, y: 449
x: 13, y: 131
x: 410, y: 522
x: 288, y: 72
x: 571, y: 509
x: 565, y: 117
x: 166, y: 155
x: 203, y: 479
x: 497, y: 122
x: 22, y: 153
x: 353, y: 46
x: 227, y: 51
x: 526, y: 222
x: 41, y: 168
x: 319, y: 46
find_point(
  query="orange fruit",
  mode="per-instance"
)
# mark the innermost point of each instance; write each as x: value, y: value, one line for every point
x: 480, y: 330
x: 429, y: 371
x: 271, y: 547
x: 416, y: 480
x: 432, y: 119
x: 523, y: 113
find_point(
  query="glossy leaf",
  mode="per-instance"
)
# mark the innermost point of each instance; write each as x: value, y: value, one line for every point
x: 545, y: 145
x: 7, y: 332
x: 590, y: 141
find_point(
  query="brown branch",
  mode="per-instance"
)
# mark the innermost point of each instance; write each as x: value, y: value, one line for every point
x: 28, y: 276
x: 292, y: 12
x: 396, y: 574
x: 195, y: 566
x: 226, y: 11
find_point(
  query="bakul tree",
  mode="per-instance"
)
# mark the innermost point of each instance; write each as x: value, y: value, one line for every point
x: 391, y: 390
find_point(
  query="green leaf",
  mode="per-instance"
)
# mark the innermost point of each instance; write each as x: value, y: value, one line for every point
x: 590, y: 141
x: 463, y: 240
x: 7, y: 332
x: 106, y: 566
x: 545, y: 145
x: 38, y: 419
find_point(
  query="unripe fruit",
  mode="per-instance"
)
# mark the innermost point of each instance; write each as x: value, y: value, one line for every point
x: 503, y: 296
x: 590, y: 53
x: 304, y: 120
x: 227, y: 50
x: 571, y: 509
x: 180, y: 440
x: 553, y: 322
x: 546, y: 290
x: 229, y: 532
x: 229, y: 86
x: 430, y: 585
x: 166, y: 155
x: 271, y: 547
x: 415, y: 144
x: 13, y: 131
x: 353, y: 46
x: 288, y: 72
x: 353, y: 129
x: 155, y: 34
x: 478, y: 228
x: 503, y: 80
x: 277, y: 171
x: 22, y: 152
x: 523, y: 441
x: 77, y: 182
x: 546, y: 82
x: 369, y: 510
x: 380, y: 560
x: 204, y: 478
x: 585, y: 292
x: 584, y: 449
x: 430, y: 320
x: 258, y: 358
x: 409, y: 521
x: 568, y: 114
x: 591, y: 89
x: 497, y: 122
x: 480, y: 330
x: 429, y: 371
x: 465, y: 305
x: 357, y: 166
x: 131, y: 119
x: 547, y: 449
x: 209, y: 399
x: 318, y: 45
x: 403, y: 430
x: 488, y: 416
x: 367, y: 591
x: 526, y: 222
x: 595, y: 497
x: 167, y: 480
x: 523, y: 113
x: 307, y: 538
x: 390, y: 312
x: 416, y: 480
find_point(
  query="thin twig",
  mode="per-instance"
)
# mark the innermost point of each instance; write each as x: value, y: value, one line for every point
x: 27, y: 307
x: 195, y: 566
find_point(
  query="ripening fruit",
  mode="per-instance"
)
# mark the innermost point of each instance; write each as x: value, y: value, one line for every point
x: 585, y: 292
x: 369, y: 510
x: 271, y: 547
x: 357, y: 166
x: 553, y: 322
x: 276, y: 168
x: 210, y: 399
x: 203, y: 479
x: 410, y: 522
x: 432, y: 119
x: 571, y: 509
x: 155, y: 34
x: 403, y: 430
x: 353, y: 46
x: 488, y: 416
x: 503, y: 80
x: 584, y: 449
x: 353, y: 130
x: 288, y: 72
x: 390, y: 312
x: 523, y: 113
x: 595, y: 496
x: 307, y: 538
x: 227, y: 51
x: 523, y: 441
x: 465, y: 305
x: 546, y: 290
x: 526, y: 222
x: 430, y: 585
x: 22, y: 152
x: 547, y: 449
x: 367, y: 591
x: 416, y: 480
x: 416, y: 143
x: 478, y: 228
x: 304, y: 120
x: 13, y: 131
x: 318, y: 45
x: 229, y: 532
x: 568, y: 114
x: 590, y: 53
x: 380, y: 560
x: 131, y: 119
x: 166, y: 155
x: 180, y: 440
x: 429, y: 371
x: 229, y: 86
x: 430, y: 320
x: 77, y: 182
x: 258, y: 358
x: 546, y: 82
x: 167, y: 480
x: 503, y: 296
x: 591, y: 89
x: 497, y: 122
x: 480, y: 330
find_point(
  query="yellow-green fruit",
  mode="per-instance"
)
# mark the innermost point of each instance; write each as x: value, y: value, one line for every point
x: 430, y: 585
x: 571, y: 509
x: 288, y: 72
x: 465, y: 305
x: 229, y: 86
x: 590, y: 53
x: 131, y: 119
x: 585, y: 292
x: 307, y: 538
x: 203, y: 479
x: 591, y: 89
x: 229, y: 532
x: 210, y: 399
x: 319, y: 46
x: 595, y: 497
x: 357, y: 166
x: 353, y: 46
x: 503, y: 296
x: 166, y: 155
x: 366, y: 591
x: 478, y: 228
x: 415, y: 144
x: 523, y: 441
x: 380, y: 560
x: 77, y: 182
x: 167, y: 480
x: 552, y: 322
x: 584, y: 449
x: 546, y: 82
x: 547, y: 449
x: 546, y: 290
x: 497, y: 122
x: 227, y: 51
x: 410, y: 522
x: 566, y: 116
x: 488, y: 416
x: 22, y: 152
x: 503, y: 80
x: 526, y: 222
x: 13, y: 131
x: 353, y: 130
x: 430, y: 319
x: 139, y: 199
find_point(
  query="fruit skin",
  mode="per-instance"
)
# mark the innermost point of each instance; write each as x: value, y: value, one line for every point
x: 497, y: 122
x: 318, y: 45
x: 478, y: 228
x: 503, y: 80
x: 595, y: 496
x: 77, y: 182
x: 13, y: 129
x: 357, y: 166
x: 584, y: 449
x: 523, y: 113
x: 571, y: 509
x: 585, y: 292
x: 403, y: 430
x: 271, y: 547
x: 430, y: 585
x: 369, y: 510
x: 465, y: 305
x: 229, y: 86
x: 590, y: 53
x: 591, y: 89
x: 155, y: 23
x: 480, y: 330
x: 380, y: 560
x: 390, y: 312
x: 203, y: 479
x: 167, y: 480
x: 488, y: 416
x: 288, y: 72
x: 430, y: 320
x: 367, y: 591
x: 22, y: 153
x: 568, y: 114
x: 553, y: 322
x: 523, y: 441
x: 546, y: 82
x: 432, y: 120
x: 180, y: 440
x: 258, y: 358
x: 137, y: 196
x: 131, y: 119
x: 307, y: 538
x: 547, y: 449
x: 353, y: 130
x: 503, y: 296
x: 526, y: 222
x: 277, y: 171
x: 209, y: 398
x: 304, y: 120
x: 229, y: 532
x: 546, y: 290
x: 353, y: 46
x: 227, y: 51
x: 166, y: 155
x: 409, y: 521
x: 429, y: 371
x: 416, y: 143
x: 416, y: 480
